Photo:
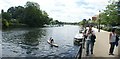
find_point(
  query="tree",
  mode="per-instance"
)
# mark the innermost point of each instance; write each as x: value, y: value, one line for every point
x: 11, y: 10
x: 33, y: 15
x: 45, y: 17
x: 83, y: 22
x: 109, y: 16
x: 32, y: 4
x: 16, y: 13
x: 6, y: 16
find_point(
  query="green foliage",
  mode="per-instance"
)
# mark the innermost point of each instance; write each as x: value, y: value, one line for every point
x: 6, y: 16
x: 45, y: 18
x: 33, y: 16
x: 83, y: 22
x: 109, y: 16
x: 5, y: 23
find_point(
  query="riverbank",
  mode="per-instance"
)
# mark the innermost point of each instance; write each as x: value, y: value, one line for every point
x: 12, y: 26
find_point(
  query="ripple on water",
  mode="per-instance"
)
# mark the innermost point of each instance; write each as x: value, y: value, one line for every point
x: 43, y: 55
x: 15, y: 51
x: 68, y: 45
x: 62, y: 55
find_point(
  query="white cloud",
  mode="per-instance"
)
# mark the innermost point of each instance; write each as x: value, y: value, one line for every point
x: 63, y: 10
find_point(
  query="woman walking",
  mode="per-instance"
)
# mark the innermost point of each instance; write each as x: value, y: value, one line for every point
x: 112, y: 41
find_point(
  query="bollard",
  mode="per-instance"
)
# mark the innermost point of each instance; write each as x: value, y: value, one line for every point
x: 80, y: 52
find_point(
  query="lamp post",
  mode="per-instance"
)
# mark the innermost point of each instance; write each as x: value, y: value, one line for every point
x: 99, y: 22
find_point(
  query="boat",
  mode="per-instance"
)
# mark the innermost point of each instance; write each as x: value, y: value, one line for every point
x: 52, y: 44
x: 78, y: 39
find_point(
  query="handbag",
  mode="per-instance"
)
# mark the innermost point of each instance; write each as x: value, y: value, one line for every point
x: 117, y: 39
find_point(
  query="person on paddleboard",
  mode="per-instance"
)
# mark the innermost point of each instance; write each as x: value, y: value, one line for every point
x: 51, y: 40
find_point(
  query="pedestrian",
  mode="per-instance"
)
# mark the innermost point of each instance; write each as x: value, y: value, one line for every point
x: 89, y: 41
x: 51, y: 40
x: 112, y: 41
x: 85, y: 37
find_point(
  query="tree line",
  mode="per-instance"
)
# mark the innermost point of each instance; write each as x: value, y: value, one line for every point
x: 29, y: 15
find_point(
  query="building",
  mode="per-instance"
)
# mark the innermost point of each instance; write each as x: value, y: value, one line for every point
x: 94, y: 18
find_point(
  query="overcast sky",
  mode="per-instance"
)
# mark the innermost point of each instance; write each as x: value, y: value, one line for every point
x: 63, y: 10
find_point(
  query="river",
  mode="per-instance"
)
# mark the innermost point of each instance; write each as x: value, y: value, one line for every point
x: 32, y: 42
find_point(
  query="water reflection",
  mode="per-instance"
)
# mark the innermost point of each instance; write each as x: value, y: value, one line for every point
x: 32, y: 37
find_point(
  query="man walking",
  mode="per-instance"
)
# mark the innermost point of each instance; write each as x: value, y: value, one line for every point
x: 90, y: 40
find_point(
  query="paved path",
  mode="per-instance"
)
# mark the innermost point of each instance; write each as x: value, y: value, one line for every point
x: 101, y: 48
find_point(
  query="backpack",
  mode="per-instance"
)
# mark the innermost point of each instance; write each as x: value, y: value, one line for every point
x: 93, y: 37
x: 117, y: 39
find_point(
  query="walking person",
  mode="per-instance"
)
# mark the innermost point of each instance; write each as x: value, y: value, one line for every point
x: 85, y: 37
x: 89, y: 41
x: 112, y: 41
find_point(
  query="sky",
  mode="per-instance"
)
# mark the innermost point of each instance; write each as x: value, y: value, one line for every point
x: 63, y: 10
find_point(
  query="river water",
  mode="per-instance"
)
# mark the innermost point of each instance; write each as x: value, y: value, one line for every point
x: 32, y: 42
